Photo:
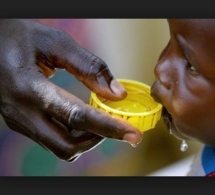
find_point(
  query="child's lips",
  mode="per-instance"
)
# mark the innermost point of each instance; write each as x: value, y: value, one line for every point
x: 166, y: 114
x: 157, y: 97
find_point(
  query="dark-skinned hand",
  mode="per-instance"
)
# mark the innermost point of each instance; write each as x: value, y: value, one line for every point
x: 30, y: 53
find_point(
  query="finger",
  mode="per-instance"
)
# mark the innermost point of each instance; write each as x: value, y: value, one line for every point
x: 52, y: 135
x: 73, y: 112
x: 59, y: 50
x: 101, y: 123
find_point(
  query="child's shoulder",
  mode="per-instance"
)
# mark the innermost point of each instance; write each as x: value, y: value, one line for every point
x: 204, y: 162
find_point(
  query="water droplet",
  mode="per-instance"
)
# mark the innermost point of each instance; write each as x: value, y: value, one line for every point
x: 184, y: 146
x: 134, y: 145
x: 170, y: 129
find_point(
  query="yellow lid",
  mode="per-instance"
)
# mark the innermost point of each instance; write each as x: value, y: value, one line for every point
x: 138, y: 108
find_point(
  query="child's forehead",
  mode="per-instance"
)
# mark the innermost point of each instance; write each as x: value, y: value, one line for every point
x: 200, y: 31
x: 196, y: 35
x: 186, y: 25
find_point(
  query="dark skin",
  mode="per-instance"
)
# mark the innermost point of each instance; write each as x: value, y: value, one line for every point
x: 185, y: 80
x: 30, y: 53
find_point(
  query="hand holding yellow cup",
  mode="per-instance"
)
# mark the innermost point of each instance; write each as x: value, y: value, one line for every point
x: 138, y: 108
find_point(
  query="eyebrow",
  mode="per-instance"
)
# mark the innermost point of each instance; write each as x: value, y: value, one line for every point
x: 187, y: 50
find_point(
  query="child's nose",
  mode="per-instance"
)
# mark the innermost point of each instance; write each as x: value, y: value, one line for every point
x: 163, y: 72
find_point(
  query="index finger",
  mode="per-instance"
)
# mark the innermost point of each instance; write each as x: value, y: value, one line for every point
x: 62, y: 51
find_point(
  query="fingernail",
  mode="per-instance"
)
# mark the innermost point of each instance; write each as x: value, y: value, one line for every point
x: 117, y: 88
x: 133, y: 139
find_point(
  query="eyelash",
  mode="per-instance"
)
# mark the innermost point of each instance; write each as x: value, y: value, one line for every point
x: 192, y: 70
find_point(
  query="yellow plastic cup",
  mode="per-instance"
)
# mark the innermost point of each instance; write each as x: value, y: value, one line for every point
x: 138, y: 108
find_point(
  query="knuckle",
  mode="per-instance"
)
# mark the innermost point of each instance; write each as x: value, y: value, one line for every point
x: 97, y: 65
x: 77, y: 117
x: 95, y: 69
x: 99, y: 69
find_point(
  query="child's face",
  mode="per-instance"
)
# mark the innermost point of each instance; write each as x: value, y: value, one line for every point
x: 185, y: 80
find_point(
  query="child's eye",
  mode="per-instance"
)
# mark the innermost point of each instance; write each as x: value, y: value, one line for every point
x: 192, y: 70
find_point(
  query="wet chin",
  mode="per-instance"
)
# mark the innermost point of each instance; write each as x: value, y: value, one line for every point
x: 172, y: 129
x: 169, y: 122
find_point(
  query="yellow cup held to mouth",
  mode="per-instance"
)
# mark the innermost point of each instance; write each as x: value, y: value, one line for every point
x: 138, y: 108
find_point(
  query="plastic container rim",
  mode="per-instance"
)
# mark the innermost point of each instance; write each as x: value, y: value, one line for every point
x: 107, y: 108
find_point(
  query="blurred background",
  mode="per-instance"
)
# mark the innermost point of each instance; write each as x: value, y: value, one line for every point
x: 131, y: 48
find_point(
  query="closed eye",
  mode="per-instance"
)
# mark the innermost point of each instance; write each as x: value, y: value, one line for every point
x: 191, y: 69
